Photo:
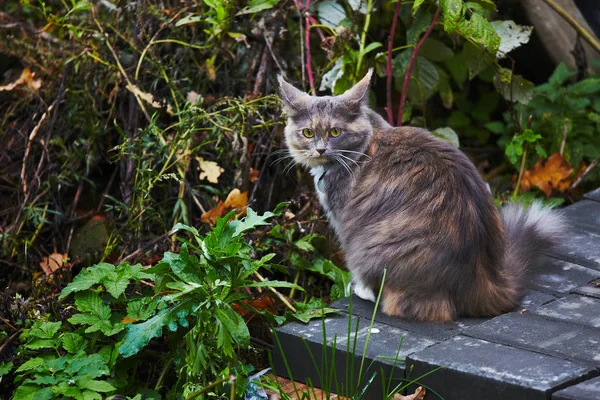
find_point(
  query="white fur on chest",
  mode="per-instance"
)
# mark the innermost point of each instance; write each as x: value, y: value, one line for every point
x: 317, y: 173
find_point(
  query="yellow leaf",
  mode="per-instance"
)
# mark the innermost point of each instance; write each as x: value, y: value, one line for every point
x: 210, y: 170
x: 25, y: 78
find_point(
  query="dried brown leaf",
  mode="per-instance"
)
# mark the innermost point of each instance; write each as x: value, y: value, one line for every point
x: 554, y: 174
x: 53, y: 262
x: 210, y: 170
x: 235, y: 200
x: 26, y: 78
x: 419, y: 394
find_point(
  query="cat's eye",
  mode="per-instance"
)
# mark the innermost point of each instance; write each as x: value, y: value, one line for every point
x: 335, y: 132
x: 308, y: 133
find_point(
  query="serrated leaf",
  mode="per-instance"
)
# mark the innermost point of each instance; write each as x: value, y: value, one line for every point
x: 452, y: 12
x: 31, y: 392
x: 91, y: 366
x: 250, y: 221
x: 73, y: 343
x: 95, y: 313
x: 560, y: 75
x: 37, y: 344
x: 86, y: 279
x: 424, y: 76
x: 30, y: 364
x: 235, y: 326
x: 511, y: 36
x: 44, y: 329
x: 92, y: 384
x: 139, y: 335
x: 5, y: 368
x: 586, y: 87
x: 479, y: 30
x: 418, y: 26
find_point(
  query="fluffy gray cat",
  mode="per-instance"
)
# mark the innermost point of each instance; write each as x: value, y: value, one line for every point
x: 403, y: 200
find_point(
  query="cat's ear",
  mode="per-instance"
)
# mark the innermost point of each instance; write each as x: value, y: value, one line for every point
x: 358, y: 94
x: 292, y: 98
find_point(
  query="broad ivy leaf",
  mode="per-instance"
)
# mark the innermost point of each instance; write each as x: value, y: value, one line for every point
x: 511, y: 35
x: 138, y: 335
x: 73, y: 343
x: 31, y: 392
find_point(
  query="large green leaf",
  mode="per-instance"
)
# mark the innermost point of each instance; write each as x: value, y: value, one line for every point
x: 95, y: 313
x: 32, y: 392
x: 424, y: 76
x: 73, y: 342
x: 452, y: 10
x: 479, y: 30
x: 513, y: 87
x: 235, y: 326
x: 250, y: 221
x: 138, y: 335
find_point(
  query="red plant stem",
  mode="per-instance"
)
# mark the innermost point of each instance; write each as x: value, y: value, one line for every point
x: 309, y: 71
x: 389, y: 64
x: 410, y: 65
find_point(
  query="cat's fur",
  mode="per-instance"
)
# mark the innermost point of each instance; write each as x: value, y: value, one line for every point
x: 403, y: 200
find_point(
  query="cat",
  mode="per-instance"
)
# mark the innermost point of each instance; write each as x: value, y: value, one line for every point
x: 403, y: 200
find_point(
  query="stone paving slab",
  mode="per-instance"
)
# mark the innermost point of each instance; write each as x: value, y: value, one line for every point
x: 478, y: 369
x: 580, y: 247
x: 593, y: 195
x: 574, y: 308
x: 591, y: 289
x: 384, y: 341
x: 559, y: 277
x: 587, y: 390
x: 533, y: 299
x: 583, y: 213
x: 364, y: 309
x: 531, y: 332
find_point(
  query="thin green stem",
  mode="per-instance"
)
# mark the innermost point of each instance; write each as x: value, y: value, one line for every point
x: 363, y: 37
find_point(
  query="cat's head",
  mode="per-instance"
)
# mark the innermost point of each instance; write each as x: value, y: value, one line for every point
x: 326, y: 129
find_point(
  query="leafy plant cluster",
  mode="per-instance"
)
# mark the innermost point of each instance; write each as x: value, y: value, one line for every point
x: 121, y: 311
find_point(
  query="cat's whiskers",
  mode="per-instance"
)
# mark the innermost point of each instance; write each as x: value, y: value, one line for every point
x: 344, y: 164
x: 369, y: 158
x: 351, y: 159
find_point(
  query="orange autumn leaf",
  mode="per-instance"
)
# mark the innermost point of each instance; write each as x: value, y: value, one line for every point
x: 26, y: 78
x: 53, y: 262
x: 555, y: 174
x: 261, y: 303
x: 127, y: 319
x: 235, y: 200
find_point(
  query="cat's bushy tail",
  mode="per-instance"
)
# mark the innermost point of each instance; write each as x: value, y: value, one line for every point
x: 529, y: 232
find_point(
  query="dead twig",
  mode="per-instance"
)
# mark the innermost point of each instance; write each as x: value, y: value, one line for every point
x: 147, y: 246
x: 564, y: 136
x: 9, y: 340
x: 584, y: 173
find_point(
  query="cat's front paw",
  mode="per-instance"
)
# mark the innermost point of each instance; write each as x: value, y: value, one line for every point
x: 363, y: 291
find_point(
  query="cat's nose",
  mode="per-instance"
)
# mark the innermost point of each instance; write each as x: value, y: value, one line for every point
x: 321, y: 151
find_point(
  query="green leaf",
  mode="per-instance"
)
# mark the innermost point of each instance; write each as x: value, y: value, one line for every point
x: 448, y: 135
x: 452, y: 10
x: 424, y: 76
x: 73, y: 343
x: 95, y: 313
x: 445, y: 90
x: 513, y: 87
x: 586, y: 87
x: 560, y: 75
x: 189, y: 19
x: 496, y: 127
x: 44, y: 330
x: 92, y: 384
x: 5, y: 368
x: 315, y: 308
x: 91, y: 366
x: 250, y: 221
x: 279, y: 284
x: 87, y: 278
x: 30, y: 364
x: 138, y: 335
x: 434, y: 50
x: 37, y: 344
x: 31, y: 392
x: 235, y: 326
x: 511, y: 36
x: 416, y: 6
x: 479, y: 30
x: 257, y: 6
x: 370, y: 47
x: 419, y: 25
x: 89, y: 395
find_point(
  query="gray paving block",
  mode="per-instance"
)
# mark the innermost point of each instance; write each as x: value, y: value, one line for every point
x: 593, y: 195
x: 531, y: 332
x: 587, y: 390
x: 559, y: 277
x: 573, y: 308
x: 533, y: 299
x: 384, y: 342
x: 364, y: 309
x: 478, y: 369
x: 581, y: 247
x: 592, y: 289
x: 585, y: 212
